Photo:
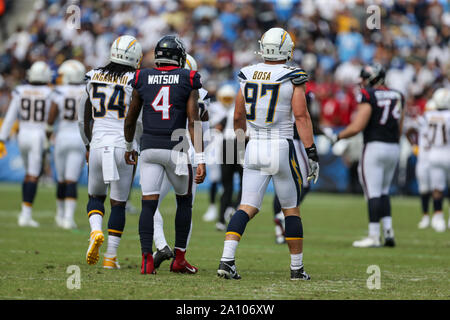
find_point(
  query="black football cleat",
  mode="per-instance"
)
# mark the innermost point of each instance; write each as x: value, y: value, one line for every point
x: 161, y: 255
x: 299, y: 274
x: 389, y: 242
x: 227, y: 270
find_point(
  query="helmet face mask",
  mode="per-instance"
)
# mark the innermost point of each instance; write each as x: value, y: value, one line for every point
x: 126, y: 50
x: 170, y: 50
x: 372, y: 75
x: 276, y: 45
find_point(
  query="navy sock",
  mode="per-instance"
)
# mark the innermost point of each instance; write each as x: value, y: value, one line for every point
x: 183, y: 219
x: 71, y: 190
x: 95, y: 206
x: 61, y: 191
x: 375, y: 207
x: 385, y: 210
x: 29, y: 192
x: 294, y: 228
x: 238, y: 223
x: 276, y: 205
x: 146, y: 225
x: 437, y: 204
x: 425, y: 201
x: 116, y: 221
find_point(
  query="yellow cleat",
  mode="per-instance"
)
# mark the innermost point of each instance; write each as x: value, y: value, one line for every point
x: 110, y: 262
x: 95, y: 242
x: 3, y: 151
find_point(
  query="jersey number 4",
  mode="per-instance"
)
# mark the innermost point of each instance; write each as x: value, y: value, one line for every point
x: 116, y: 101
x: 161, y: 102
x: 251, y: 97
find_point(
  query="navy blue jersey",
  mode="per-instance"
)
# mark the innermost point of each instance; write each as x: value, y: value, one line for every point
x: 164, y: 92
x: 387, y: 108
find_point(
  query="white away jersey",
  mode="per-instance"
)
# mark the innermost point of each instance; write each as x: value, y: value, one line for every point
x: 438, y: 131
x: 110, y: 99
x: 267, y: 90
x: 68, y: 100
x: 30, y: 104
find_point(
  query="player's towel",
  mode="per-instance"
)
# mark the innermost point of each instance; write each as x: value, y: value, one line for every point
x: 181, y: 162
x: 110, y: 172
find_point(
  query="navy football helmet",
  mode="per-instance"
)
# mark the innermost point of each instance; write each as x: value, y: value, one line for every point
x: 170, y: 50
x: 373, y: 74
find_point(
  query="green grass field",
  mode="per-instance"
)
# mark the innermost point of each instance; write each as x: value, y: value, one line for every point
x: 34, y: 262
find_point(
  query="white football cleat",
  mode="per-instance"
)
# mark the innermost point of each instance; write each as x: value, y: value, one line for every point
x: 369, y: 242
x: 438, y: 222
x: 424, y: 222
x: 59, y: 221
x: 27, y: 222
x: 210, y: 214
x: 69, y: 224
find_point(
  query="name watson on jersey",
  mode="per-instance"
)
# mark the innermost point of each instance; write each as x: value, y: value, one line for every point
x: 164, y: 79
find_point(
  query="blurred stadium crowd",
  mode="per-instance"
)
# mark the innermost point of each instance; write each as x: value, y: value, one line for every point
x: 331, y: 36
x: 332, y: 40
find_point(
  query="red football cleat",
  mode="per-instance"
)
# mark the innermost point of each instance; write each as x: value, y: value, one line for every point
x: 180, y: 265
x: 147, y: 266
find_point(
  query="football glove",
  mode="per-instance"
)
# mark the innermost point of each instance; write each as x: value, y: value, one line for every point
x: 3, y: 151
x: 313, y: 160
x: 329, y: 133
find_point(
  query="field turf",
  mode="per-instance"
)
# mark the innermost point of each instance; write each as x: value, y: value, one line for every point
x: 34, y: 262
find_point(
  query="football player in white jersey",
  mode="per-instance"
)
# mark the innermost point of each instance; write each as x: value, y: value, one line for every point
x: 69, y: 147
x: 271, y: 92
x: 163, y: 251
x: 30, y: 104
x: 439, y: 153
x: 109, y: 89
x: 417, y: 136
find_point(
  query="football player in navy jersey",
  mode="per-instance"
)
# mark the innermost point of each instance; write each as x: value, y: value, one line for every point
x: 167, y: 96
x: 380, y: 117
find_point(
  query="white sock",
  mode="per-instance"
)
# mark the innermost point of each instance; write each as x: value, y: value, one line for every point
x: 158, y: 231
x: 374, y: 229
x: 26, y: 211
x: 95, y: 220
x: 296, y: 261
x: 69, y: 208
x: 60, y: 208
x: 229, y: 250
x: 387, y: 223
x: 113, y: 244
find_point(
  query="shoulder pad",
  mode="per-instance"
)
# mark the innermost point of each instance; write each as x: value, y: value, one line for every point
x: 297, y: 76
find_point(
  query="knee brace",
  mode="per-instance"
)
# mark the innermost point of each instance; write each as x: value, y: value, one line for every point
x: 238, y: 223
x: 293, y: 228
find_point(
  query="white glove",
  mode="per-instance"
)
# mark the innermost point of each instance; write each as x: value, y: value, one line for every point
x: 313, y: 170
x: 329, y: 133
x: 313, y: 160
